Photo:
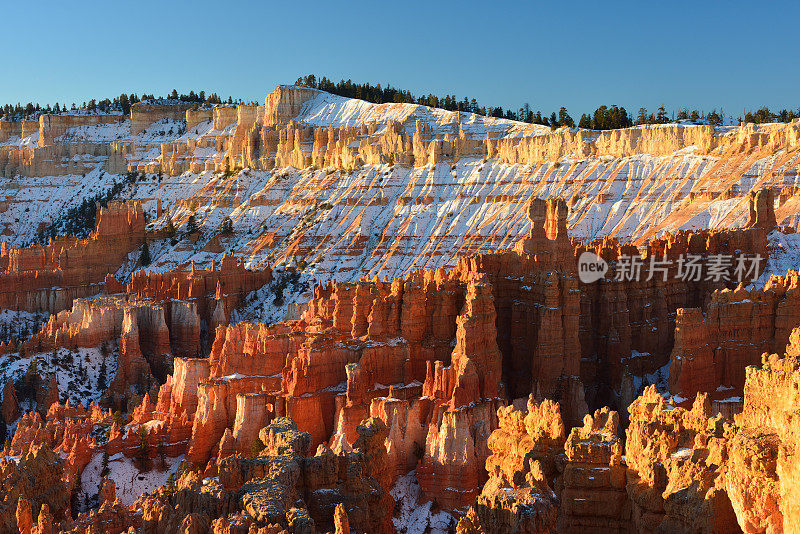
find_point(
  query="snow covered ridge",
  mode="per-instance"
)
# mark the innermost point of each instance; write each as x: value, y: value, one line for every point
x: 347, y: 188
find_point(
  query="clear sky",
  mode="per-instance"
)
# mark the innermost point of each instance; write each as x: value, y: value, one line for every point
x: 698, y: 54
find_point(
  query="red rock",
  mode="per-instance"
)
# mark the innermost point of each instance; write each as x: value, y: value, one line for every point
x: 341, y: 521
x: 24, y: 516
x: 10, y: 408
x: 407, y: 423
x: 593, y: 494
x: 79, y: 266
x: 252, y: 414
x: 518, y: 496
x: 669, y: 449
x: 44, y: 525
x: 229, y: 284
x: 216, y: 411
x: 452, y: 469
x: 715, y: 348
x: 36, y: 479
x: 762, y: 210
x: 763, y: 479
x: 107, y: 493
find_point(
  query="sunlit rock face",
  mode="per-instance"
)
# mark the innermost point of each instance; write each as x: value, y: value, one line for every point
x: 50, y: 277
x: 308, y: 306
x: 353, y: 188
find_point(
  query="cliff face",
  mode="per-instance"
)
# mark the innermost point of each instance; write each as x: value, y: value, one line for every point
x: 714, y: 348
x: 763, y: 476
x: 50, y: 277
x: 143, y: 114
x: 649, y: 139
x: 215, y: 290
x: 476, y: 372
x: 359, y: 187
x: 53, y: 127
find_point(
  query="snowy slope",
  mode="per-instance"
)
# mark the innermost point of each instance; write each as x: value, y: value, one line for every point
x: 328, y: 110
x: 386, y: 220
x: 129, y: 479
x: 78, y: 372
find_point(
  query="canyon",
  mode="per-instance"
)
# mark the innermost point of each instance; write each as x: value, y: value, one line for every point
x: 322, y: 314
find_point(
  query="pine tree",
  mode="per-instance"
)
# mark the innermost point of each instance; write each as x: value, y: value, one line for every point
x: 170, y: 228
x: 169, y: 486
x: 101, y: 376
x: 191, y: 225
x: 145, y: 257
x: 256, y: 447
x: 76, y: 499
x: 104, y: 463
x: 564, y: 119
x: 227, y: 226
x: 143, y: 453
x: 118, y: 419
x: 124, y: 103
x: 162, y: 455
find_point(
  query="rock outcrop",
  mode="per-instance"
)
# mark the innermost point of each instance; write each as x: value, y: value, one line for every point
x: 10, y: 407
x: 763, y: 479
x: 212, y: 293
x: 146, y: 112
x: 49, y: 277
x: 713, y: 348
x: 254, y: 493
x: 593, y: 497
x: 522, y: 467
x: 32, y: 488
x: 676, y: 459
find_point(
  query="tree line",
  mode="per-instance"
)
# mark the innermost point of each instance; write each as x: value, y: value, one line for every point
x: 121, y: 103
x: 603, y: 118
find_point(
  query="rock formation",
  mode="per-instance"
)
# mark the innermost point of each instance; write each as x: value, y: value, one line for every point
x: 518, y: 495
x: 472, y: 368
x: 146, y: 112
x: 763, y: 478
x: 214, y: 291
x: 32, y: 488
x: 713, y: 349
x: 593, y: 496
x: 50, y: 277
x: 255, y: 492
x: 676, y: 460
x: 10, y: 407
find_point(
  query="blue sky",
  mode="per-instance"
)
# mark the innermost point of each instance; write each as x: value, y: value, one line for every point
x: 580, y: 55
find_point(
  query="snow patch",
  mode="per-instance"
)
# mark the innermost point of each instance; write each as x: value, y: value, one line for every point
x: 130, y: 481
x: 413, y: 517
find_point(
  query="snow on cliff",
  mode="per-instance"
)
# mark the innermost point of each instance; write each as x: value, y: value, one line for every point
x: 388, y: 219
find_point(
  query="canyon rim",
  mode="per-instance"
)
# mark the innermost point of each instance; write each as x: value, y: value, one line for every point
x: 345, y: 307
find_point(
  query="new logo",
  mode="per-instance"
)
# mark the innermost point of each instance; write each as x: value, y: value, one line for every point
x: 591, y: 267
